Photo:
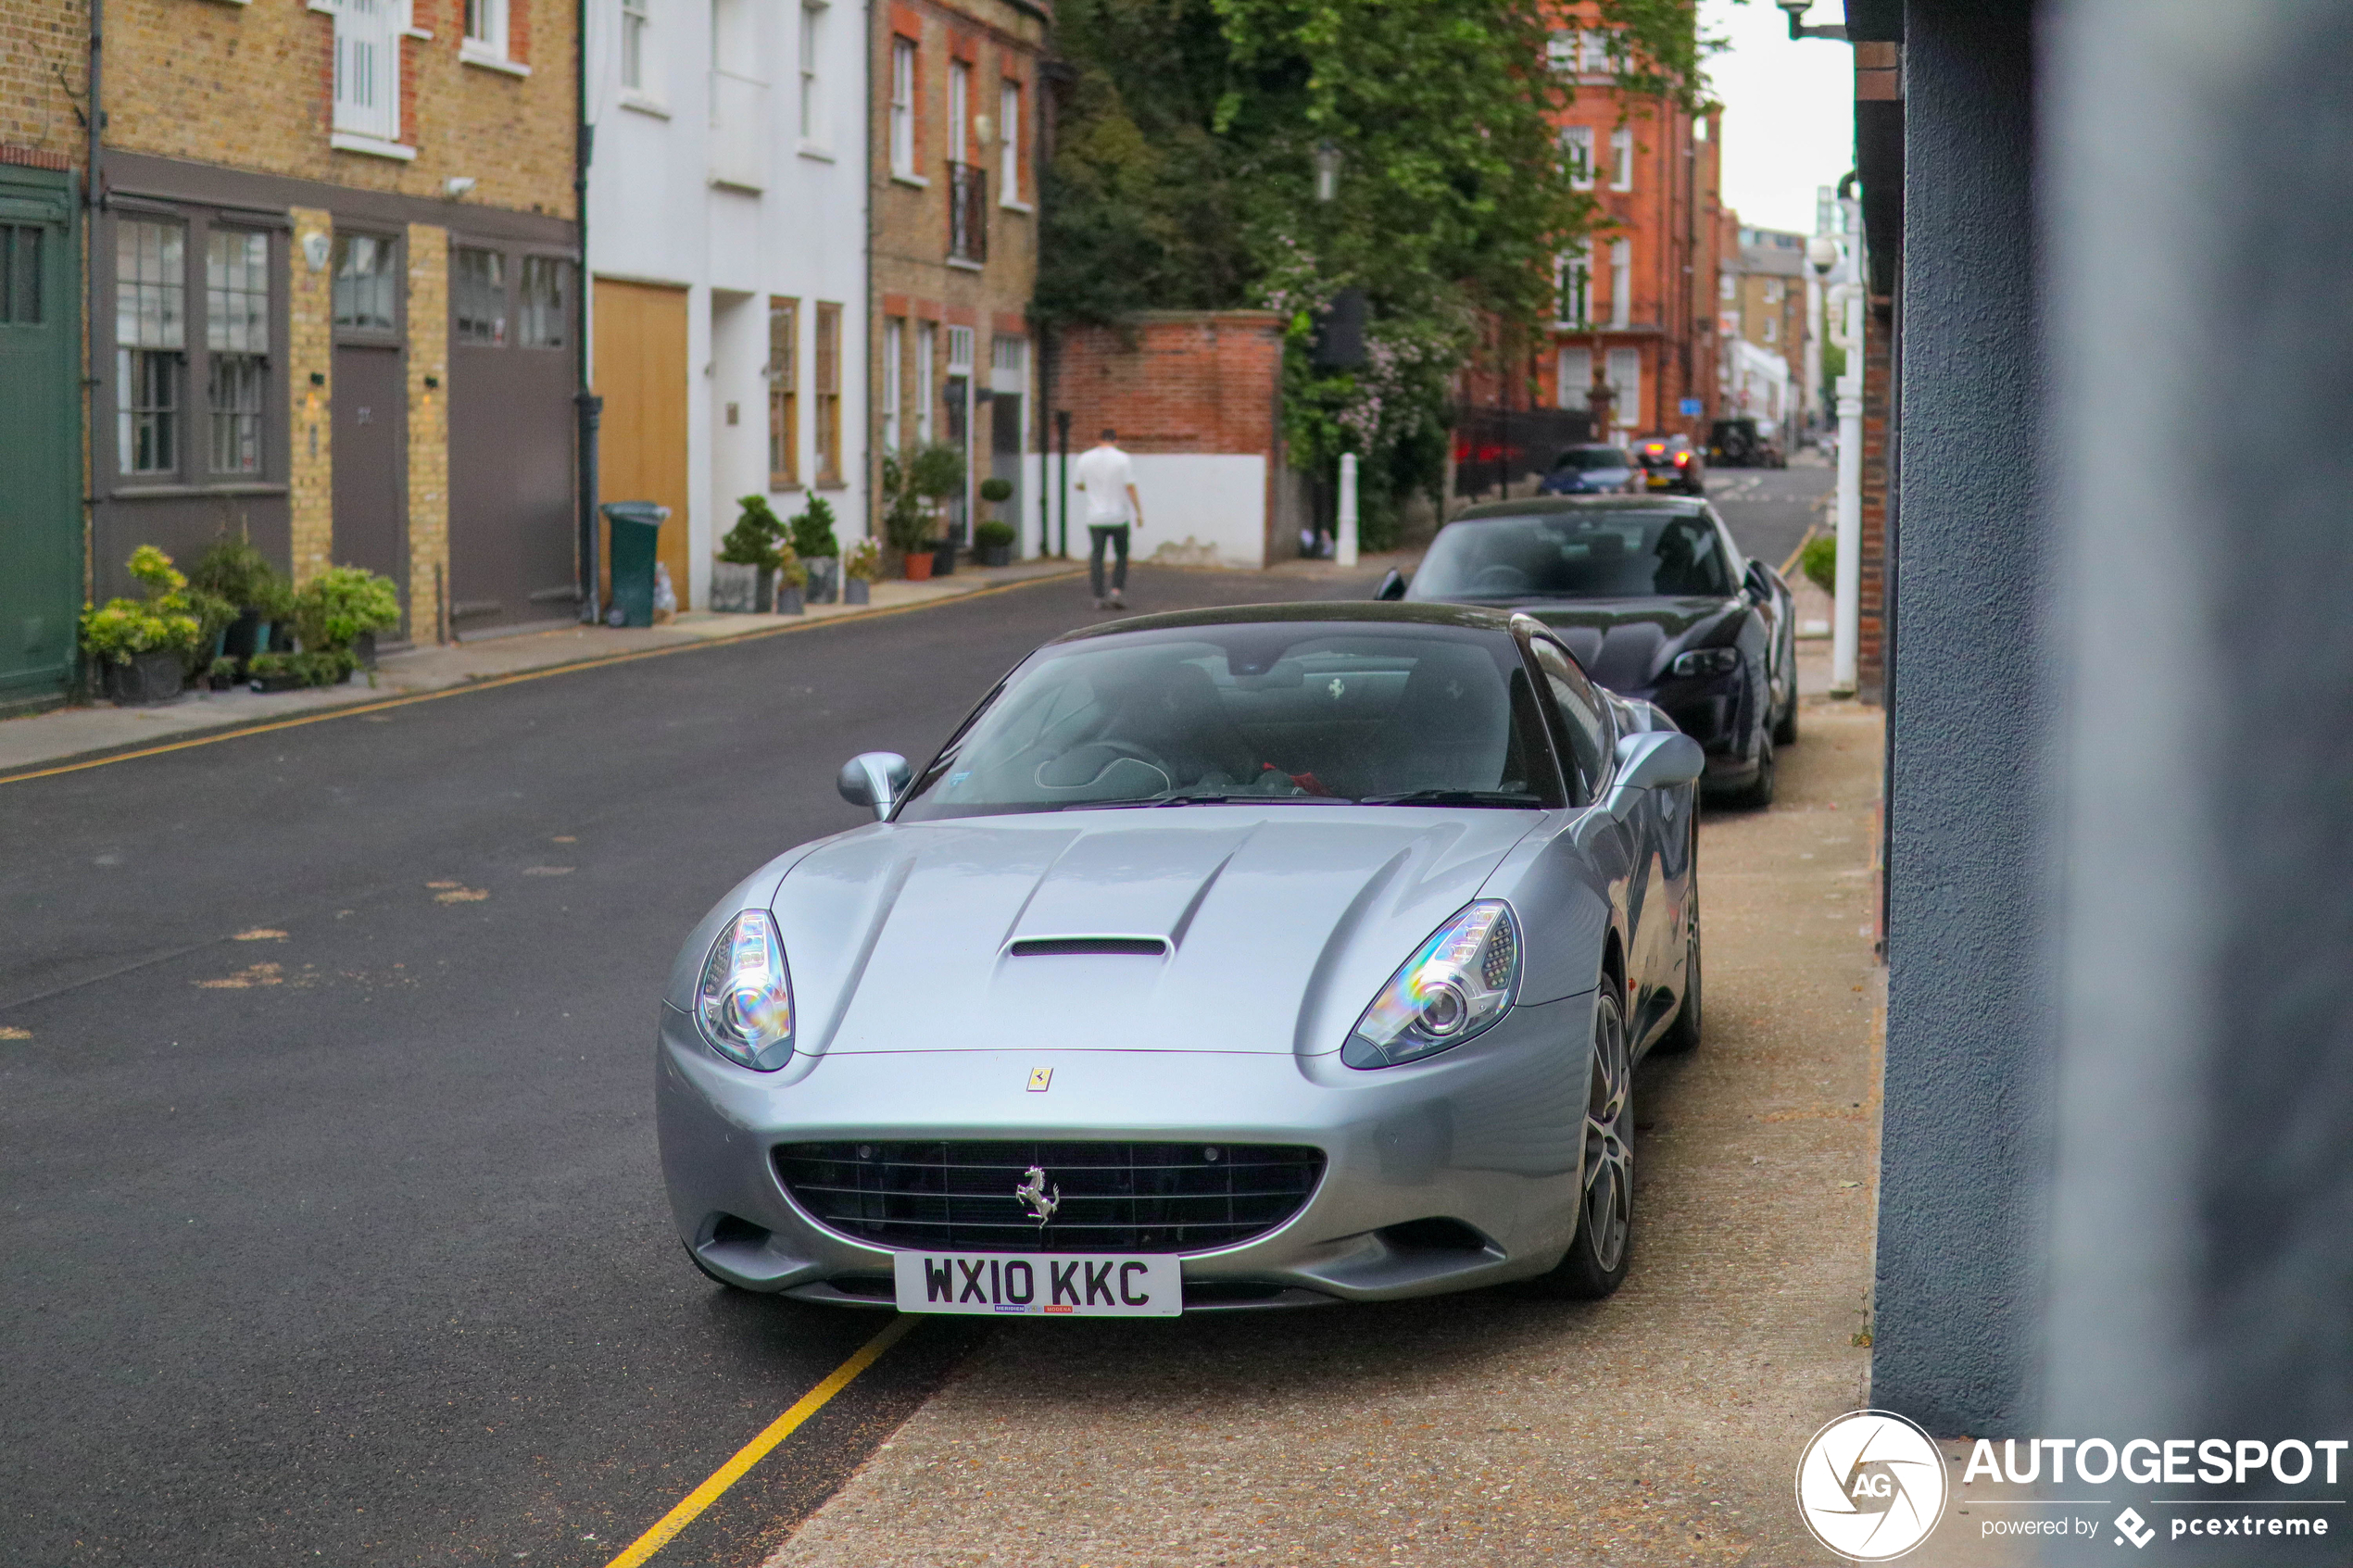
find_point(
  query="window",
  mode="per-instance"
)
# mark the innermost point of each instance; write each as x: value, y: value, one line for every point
x: 368, y: 68
x: 1774, y: 290
x: 960, y: 106
x: 1621, y: 282
x: 637, y: 19
x: 927, y: 349
x: 828, y: 368
x: 1009, y: 143
x: 1772, y: 328
x: 546, y: 286
x: 363, y: 282
x: 894, y: 387
x: 1621, y: 158
x: 150, y: 331
x: 1726, y: 287
x: 478, y: 309
x: 1626, y: 379
x: 1560, y: 52
x: 486, y: 27
x: 237, y: 344
x: 902, y: 109
x: 1698, y: 129
x: 1575, y: 283
x: 1576, y: 380
x: 20, y: 274
x: 1596, y: 52
x: 784, y: 394
x: 813, y: 117
x: 1582, y: 723
x: 1577, y: 153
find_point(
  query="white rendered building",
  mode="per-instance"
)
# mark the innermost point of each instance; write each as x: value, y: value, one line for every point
x: 727, y: 238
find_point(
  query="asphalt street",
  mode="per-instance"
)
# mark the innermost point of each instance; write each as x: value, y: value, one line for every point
x: 1770, y: 510
x: 333, y: 1229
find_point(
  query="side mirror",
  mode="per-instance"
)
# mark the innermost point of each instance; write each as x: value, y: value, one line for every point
x: 1657, y: 758
x: 875, y: 779
x: 1756, y: 584
x: 1392, y: 589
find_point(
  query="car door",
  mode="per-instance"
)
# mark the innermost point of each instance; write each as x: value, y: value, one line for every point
x: 1771, y: 638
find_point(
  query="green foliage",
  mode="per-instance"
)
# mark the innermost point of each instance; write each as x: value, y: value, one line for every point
x: 912, y: 489
x: 167, y: 621
x: 993, y: 534
x: 788, y: 567
x: 812, y: 530
x: 752, y: 542
x: 864, y: 560
x: 332, y: 609
x: 1818, y: 560
x: 312, y: 667
x: 996, y: 492
x: 1833, y: 367
x: 233, y: 571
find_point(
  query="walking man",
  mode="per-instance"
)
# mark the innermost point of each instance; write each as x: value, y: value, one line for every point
x: 1109, y: 480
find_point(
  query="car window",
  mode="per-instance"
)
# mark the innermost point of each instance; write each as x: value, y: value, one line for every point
x: 1266, y: 711
x: 1582, y: 720
x: 1613, y: 552
x: 1585, y: 460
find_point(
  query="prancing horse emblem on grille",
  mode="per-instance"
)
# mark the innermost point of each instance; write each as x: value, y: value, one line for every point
x: 1032, y: 1193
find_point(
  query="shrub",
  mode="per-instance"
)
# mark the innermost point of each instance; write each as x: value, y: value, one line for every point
x: 232, y: 569
x: 752, y: 542
x: 1818, y: 560
x: 812, y: 531
x: 322, y: 667
x: 996, y: 491
x: 864, y: 560
x: 789, y: 568
x: 993, y: 534
x: 167, y: 621
x: 342, y: 601
x: 906, y: 520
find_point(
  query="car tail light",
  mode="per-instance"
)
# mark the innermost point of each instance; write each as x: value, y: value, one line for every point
x: 1682, y: 458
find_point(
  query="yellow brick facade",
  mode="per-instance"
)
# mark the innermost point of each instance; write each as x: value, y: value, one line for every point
x: 310, y: 363
x: 427, y: 433
x: 43, y: 71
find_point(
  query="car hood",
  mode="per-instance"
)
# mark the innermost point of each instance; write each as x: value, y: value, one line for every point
x: 1626, y: 645
x: 1279, y: 923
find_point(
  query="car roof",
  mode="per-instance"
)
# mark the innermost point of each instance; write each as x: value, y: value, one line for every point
x: 1362, y: 612
x: 1540, y: 506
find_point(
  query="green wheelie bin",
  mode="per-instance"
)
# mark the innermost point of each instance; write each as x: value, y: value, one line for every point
x: 632, y: 529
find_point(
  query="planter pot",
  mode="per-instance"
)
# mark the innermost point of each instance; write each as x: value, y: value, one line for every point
x: 824, y: 579
x: 856, y: 591
x: 363, y: 648
x: 763, y: 593
x: 734, y: 590
x: 943, y: 559
x: 148, y: 679
x: 995, y: 554
x: 919, y: 565
x: 788, y: 600
x: 244, y: 637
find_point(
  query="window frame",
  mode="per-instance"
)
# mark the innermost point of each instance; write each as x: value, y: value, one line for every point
x: 465, y: 292
x: 1584, y: 793
x: 825, y: 347
x: 894, y: 387
x: 567, y: 277
x: 249, y: 364
x: 485, y: 30
x: 927, y: 380
x: 812, y: 107
x: 783, y: 375
x: 151, y: 378
x: 1621, y: 158
x: 1576, y: 155
x: 1010, y: 98
x: 904, y: 79
x: 1621, y: 282
x: 960, y: 111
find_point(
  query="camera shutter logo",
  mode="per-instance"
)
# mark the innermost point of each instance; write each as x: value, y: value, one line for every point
x: 1872, y: 1485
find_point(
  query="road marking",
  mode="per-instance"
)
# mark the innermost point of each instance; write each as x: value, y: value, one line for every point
x: 691, y: 1507
x: 1787, y: 567
x: 359, y: 710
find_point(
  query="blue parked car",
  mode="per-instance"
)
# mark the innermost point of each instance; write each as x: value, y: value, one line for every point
x: 1594, y: 470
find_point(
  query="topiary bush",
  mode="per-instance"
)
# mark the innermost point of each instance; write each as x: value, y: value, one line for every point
x: 752, y: 542
x: 993, y: 534
x: 812, y: 531
x: 168, y: 619
x: 334, y: 608
x: 1818, y: 560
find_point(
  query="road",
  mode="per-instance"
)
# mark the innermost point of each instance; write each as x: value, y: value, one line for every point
x: 1770, y: 510
x: 333, y: 1231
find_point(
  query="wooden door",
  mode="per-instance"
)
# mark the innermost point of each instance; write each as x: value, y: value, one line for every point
x: 370, y: 394
x: 641, y: 373
x: 40, y: 436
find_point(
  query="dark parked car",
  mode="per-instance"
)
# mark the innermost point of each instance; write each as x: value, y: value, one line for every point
x: 1657, y: 603
x: 1747, y: 443
x: 1594, y: 470
x: 1672, y: 462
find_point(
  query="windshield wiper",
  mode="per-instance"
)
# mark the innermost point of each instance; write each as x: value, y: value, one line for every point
x: 1505, y: 798
x: 1239, y: 800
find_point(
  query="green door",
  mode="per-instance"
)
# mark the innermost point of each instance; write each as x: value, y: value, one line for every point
x: 40, y: 436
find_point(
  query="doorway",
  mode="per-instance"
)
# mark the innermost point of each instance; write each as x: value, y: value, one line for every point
x: 369, y: 397
x: 641, y: 373
x: 40, y: 436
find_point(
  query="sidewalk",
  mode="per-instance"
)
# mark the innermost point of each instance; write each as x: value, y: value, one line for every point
x: 62, y: 734
x: 1660, y: 1427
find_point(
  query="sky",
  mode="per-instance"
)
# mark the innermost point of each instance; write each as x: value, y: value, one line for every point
x: 1789, y: 109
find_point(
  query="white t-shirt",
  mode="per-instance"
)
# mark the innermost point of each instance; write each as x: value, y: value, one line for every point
x: 1104, y: 474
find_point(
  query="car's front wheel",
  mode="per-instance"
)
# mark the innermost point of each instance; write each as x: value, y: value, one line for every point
x: 1595, y: 1263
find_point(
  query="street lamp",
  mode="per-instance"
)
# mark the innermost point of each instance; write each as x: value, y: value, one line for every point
x: 1796, y: 9
x: 1327, y: 162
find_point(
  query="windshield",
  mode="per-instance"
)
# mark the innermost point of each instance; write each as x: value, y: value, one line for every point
x: 1389, y: 715
x: 1613, y: 553
x: 1584, y: 459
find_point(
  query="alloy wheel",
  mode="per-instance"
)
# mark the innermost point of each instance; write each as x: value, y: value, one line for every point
x: 1609, y: 1151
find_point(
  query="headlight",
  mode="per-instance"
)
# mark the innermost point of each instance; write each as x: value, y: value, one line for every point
x: 1708, y: 661
x: 1457, y: 984
x: 744, y: 1003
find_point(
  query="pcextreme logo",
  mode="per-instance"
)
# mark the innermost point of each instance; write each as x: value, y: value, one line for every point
x: 1871, y: 1485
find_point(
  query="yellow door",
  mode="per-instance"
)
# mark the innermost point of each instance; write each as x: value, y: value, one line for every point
x: 641, y: 374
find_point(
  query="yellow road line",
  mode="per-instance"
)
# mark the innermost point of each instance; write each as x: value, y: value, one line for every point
x: 690, y: 1507
x: 1787, y: 567
x: 596, y: 662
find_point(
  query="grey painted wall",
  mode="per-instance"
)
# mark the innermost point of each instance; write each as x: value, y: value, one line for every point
x: 1965, y: 1139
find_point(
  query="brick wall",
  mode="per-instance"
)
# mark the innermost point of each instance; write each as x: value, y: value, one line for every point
x: 252, y: 87
x: 44, y: 59
x: 310, y: 352
x: 427, y: 433
x: 1871, y: 644
x: 1179, y: 382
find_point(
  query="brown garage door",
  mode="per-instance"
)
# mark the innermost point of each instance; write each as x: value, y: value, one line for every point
x: 641, y: 373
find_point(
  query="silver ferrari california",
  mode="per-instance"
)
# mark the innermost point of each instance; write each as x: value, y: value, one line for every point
x: 1242, y: 958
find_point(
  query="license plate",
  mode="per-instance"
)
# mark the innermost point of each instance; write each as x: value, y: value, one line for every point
x: 1075, y: 1284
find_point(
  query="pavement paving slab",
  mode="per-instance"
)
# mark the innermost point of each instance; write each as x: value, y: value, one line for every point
x: 1661, y: 1427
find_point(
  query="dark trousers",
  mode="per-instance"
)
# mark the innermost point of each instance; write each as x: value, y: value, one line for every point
x: 1114, y: 534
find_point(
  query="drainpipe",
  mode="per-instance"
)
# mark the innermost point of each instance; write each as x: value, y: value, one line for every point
x: 94, y: 205
x: 590, y: 406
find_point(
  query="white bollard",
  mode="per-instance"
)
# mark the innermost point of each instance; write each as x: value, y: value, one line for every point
x: 1345, y: 534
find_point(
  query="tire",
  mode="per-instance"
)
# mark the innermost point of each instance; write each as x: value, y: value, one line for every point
x: 1683, y: 1035
x: 1785, y: 729
x: 1595, y: 1263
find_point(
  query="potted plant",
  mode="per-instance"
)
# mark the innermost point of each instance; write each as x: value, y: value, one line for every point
x: 906, y: 519
x: 337, y: 617
x: 993, y: 542
x: 142, y: 645
x: 813, y: 542
x: 936, y: 474
x: 744, y: 578
x: 258, y: 602
x: 859, y: 568
x: 791, y: 580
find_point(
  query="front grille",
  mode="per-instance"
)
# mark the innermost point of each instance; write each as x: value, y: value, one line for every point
x: 1114, y: 1197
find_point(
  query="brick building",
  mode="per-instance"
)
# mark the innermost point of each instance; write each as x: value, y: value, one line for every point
x: 953, y: 161
x: 44, y: 79
x: 1633, y: 306
x: 1196, y: 397
x: 1761, y: 294
x: 335, y: 282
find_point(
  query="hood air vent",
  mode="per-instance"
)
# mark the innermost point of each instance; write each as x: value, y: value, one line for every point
x: 1061, y: 946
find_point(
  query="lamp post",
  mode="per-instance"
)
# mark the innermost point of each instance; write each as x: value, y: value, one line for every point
x: 1796, y: 9
x: 1843, y: 303
x: 1328, y: 158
